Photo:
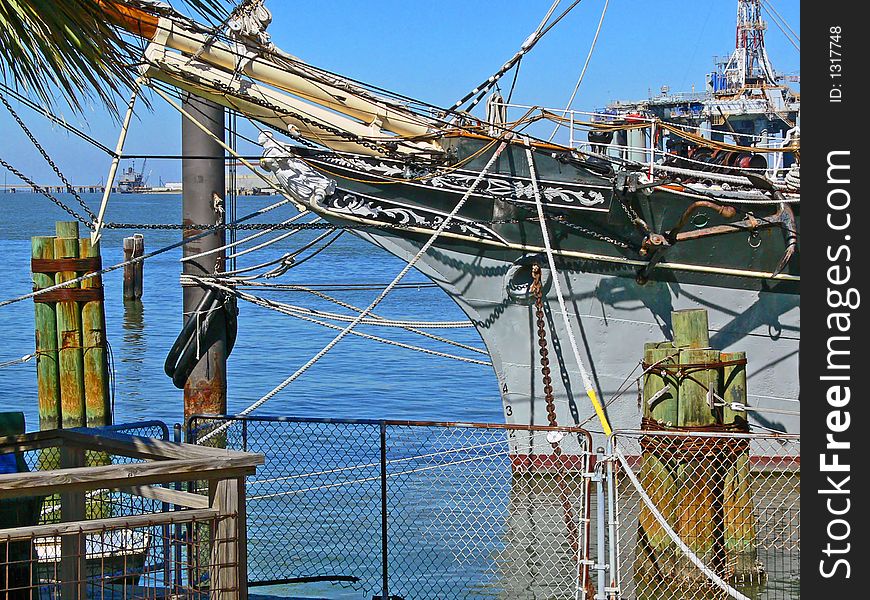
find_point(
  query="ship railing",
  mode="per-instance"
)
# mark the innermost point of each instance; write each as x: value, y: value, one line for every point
x: 414, y: 509
x: 643, y: 140
x: 704, y: 515
x: 100, y: 513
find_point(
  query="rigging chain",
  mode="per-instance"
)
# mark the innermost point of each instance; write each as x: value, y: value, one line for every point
x: 47, y: 157
x: 45, y: 193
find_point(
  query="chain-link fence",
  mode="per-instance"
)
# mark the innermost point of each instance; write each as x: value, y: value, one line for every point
x: 699, y: 513
x: 123, y: 529
x: 114, y: 503
x: 423, y: 510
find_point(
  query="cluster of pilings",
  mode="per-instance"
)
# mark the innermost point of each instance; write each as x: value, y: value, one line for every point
x: 697, y: 478
x: 71, y: 349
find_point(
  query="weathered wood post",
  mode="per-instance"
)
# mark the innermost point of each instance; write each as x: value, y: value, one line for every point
x: 660, y: 408
x: 203, y: 190
x: 71, y: 346
x: 73, y: 566
x: 98, y: 410
x: 228, y: 560
x: 69, y: 331
x: 741, y: 551
x: 45, y: 318
x: 700, y: 484
x: 134, y: 247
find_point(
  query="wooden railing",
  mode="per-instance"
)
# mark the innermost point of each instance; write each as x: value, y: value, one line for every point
x: 87, y: 548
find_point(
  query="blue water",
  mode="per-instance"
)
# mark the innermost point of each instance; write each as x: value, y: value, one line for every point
x: 358, y: 378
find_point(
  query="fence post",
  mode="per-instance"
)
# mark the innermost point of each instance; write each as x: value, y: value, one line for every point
x: 73, y: 549
x: 385, y: 587
x: 227, y: 568
x: 600, y: 524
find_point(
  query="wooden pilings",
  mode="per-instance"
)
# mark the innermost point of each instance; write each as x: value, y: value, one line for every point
x: 701, y: 485
x: 72, y: 362
x: 134, y: 247
x: 45, y: 319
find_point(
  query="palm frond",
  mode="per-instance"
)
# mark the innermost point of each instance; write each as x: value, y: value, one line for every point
x: 68, y: 49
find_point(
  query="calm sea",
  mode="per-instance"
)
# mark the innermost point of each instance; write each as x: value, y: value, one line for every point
x: 358, y: 378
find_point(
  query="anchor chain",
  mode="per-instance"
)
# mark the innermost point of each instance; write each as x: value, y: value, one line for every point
x: 544, y: 351
x: 567, y: 509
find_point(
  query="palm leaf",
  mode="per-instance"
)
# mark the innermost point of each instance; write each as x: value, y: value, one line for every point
x: 68, y: 49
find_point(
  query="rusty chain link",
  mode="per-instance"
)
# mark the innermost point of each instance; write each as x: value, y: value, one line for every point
x: 564, y: 494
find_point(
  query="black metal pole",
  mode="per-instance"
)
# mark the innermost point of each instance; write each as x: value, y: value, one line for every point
x: 384, y: 548
x: 203, y: 193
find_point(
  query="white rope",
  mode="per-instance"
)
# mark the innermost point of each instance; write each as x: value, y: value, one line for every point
x: 673, y: 534
x: 266, y: 303
x: 245, y: 239
x: 17, y: 361
x: 411, y: 329
x: 281, y: 259
x: 587, y: 381
x: 701, y: 194
x: 374, y: 320
x: 265, y: 244
x: 583, y: 71
x: 376, y: 301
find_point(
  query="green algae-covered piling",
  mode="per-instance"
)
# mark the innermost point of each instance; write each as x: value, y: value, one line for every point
x: 70, y: 325
x: 95, y: 358
x: 698, y: 479
x: 45, y: 320
x: 69, y: 331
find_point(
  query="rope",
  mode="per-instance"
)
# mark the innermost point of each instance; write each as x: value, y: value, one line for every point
x: 279, y: 307
x: 375, y: 321
x: 243, y: 240
x: 587, y: 382
x: 17, y: 361
x: 411, y: 329
x: 344, y: 332
x: 585, y: 66
x: 530, y: 42
x: 262, y: 245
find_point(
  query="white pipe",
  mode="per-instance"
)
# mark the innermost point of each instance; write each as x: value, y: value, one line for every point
x: 116, y: 160
x: 175, y: 70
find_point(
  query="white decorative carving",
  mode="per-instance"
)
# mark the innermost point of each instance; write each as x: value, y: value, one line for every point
x: 366, y: 207
x: 301, y: 181
x: 501, y: 187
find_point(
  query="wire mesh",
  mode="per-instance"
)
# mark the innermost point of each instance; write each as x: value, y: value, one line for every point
x: 103, y: 502
x: 423, y: 510
x: 733, y: 499
x: 121, y: 544
x: 169, y: 553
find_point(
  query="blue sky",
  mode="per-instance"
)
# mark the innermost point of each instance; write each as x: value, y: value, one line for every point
x: 437, y: 50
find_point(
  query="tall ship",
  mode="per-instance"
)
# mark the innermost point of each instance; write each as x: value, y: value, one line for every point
x: 566, y: 256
